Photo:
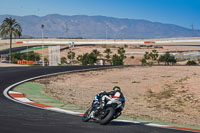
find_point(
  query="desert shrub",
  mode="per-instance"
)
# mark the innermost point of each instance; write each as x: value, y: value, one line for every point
x: 150, y: 57
x: 144, y: 62
x: 167, y: 58
x: 121, y: 52
x: 199, y: 60
x: 87, y: 59
x: 180, y: 59
x: 33, y: 57
x: 117, y: 60
x: 96, y: 53
x: 24, y: 56
x: 108, y: 52
x: 191, y: 62
x: 70, y: 55
x: 46, y: 60
x: 63, y: 60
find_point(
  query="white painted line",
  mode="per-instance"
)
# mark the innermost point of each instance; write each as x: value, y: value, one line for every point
x: 134, y: 122
x: 156, y: 125
x: 26, y: 100
x: 146, y: 124
x: 64, y: 111
x: 14, y: 92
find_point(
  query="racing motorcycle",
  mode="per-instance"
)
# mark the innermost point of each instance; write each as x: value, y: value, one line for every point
x: 111, y: 110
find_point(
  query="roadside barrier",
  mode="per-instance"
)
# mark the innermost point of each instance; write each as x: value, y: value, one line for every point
x: 148, y: 42
x: 20, y: 42
x: 25, y: 62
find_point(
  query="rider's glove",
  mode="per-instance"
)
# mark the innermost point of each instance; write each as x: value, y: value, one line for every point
x: 102, y: 93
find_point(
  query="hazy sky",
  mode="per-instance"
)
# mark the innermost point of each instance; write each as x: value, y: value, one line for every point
x: 180, y: 12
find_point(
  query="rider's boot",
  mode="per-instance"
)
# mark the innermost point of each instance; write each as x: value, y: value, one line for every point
x: 102, y: 105
x: 92, y: 115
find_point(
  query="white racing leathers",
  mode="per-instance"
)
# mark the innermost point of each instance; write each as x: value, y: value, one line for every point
x: 116, y: 97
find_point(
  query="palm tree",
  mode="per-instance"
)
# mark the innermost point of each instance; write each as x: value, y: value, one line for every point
x: 11, y: 28
x: 42, y: 26
x: 108, y: 52
x: 121, y: 52
x: 96, y: 53
x: 71, y: 55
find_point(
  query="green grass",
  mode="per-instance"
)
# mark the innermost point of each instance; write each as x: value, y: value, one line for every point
x: 29, y: 49
x: 34, y: 48
x: 33, y: 91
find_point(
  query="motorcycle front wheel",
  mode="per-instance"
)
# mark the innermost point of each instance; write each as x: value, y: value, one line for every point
x: 85, y: 117
x: 109, y: 115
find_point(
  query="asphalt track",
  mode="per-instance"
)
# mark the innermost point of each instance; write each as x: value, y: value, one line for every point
x: 16, y: 49
x: 19, y: 118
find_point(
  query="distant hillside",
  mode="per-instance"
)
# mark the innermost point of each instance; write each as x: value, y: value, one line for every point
x: 98, y: 27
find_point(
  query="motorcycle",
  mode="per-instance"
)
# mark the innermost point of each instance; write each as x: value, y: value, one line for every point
x: 111, y: 110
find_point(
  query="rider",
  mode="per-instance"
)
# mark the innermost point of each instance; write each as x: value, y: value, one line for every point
x: 115, y: 94
x: 104, y: 97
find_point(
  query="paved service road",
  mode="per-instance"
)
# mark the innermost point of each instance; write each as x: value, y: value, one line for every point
x: 19, y: 118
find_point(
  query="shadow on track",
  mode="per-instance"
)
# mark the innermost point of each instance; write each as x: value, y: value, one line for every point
x: 119, y: 123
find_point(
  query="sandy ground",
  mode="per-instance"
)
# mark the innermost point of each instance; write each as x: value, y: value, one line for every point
x: 161, y: 93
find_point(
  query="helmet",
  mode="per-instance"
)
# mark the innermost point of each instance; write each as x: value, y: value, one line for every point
x: 116, y: 88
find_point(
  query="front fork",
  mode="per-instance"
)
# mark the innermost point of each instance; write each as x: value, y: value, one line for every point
x: 117, y: 115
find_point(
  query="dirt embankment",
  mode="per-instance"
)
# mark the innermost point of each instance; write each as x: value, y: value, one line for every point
x: 164, y: 93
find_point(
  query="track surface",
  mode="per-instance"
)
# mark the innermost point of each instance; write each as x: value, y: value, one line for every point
x: 16, y: 49
x: 19, y: 118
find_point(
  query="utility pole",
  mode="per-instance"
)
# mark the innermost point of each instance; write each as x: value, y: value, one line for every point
x: 106, y: 33
x: 192, y: 30
x: 42, y: 26
x: 66, y: 30
x: 27, y: 51
x: 71, y: 47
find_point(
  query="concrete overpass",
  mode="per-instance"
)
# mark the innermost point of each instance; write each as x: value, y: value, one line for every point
x: 4, y: 43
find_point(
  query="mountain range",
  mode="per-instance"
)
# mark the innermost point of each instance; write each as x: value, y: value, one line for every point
x: 99, y: 27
